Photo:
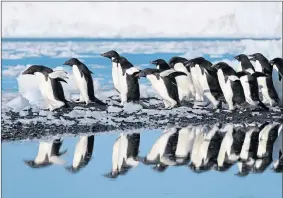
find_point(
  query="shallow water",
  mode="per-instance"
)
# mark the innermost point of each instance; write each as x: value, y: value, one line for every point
x: 19, y: 180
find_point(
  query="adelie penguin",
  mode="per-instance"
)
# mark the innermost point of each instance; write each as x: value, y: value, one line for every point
x: 178, y: 64
x: 230, y: 84
x: 183, y: 83
x: 248, y: 77
x: 277, y: 75
x: 165, y: 85
x: 50, y: 85
x: 84, y: 81
x: 128, y: 82
x: 83, y: 153
x: 265, y: 83
x: 48, y: 153
x: 116, y: 68
x: 208, y: 80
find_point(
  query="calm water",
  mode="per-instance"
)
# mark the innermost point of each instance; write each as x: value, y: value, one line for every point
x: 20, y: 180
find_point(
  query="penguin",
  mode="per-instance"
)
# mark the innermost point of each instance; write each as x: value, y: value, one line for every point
x: 178, y: 64
x: 267, y: 137
x: 230, y: 147
x: 244, y: 169
x: 128, y: 82
x: 277, y: 151
x: 182, y: 81
x: 84, y: 81
x: 116, y: 68
x: 265, y: 83
x: 185, y: 144
x: 48, y: 154
x: 277, y: 75
x: 162, y: 153
x: 83, y: 153
x: 248, y: 78
x: 164, y: 84
x: 208, y: 80
x: 125, y: 154
x: 230, y: 85
x: 50, y: 85
x: 195, y: 78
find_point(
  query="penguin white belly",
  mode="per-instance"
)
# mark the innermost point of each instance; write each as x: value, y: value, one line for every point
x: 160, y: 88
x: 196, y: 83
x: 196, y: 156
x: 263, y: 138
x: 278, y: 146
x: 183, y: 87
x: 226, y: 89
x: 184, y: 143
x: 180, y: 67
x: 43, y: 150
x: 277, y: 83
x: 123, y: 88
x: 81, y: 83
x: 80, y: 151
x: 225, y: 148
x: 122, y: 151
x: 159, y: 147
x: 115, y: 76
x: 115, y: 155
x: 262, y: 84
x: 244, y: 154
x: 247, y: 91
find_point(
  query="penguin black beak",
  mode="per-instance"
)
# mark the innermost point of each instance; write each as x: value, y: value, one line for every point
x: 106, y: 55
x: 27, y: 72
x: 236, y: 57
x: 271, y: 62
x: 66, y: 63
x: 153, y: 62
x: 187, y: 64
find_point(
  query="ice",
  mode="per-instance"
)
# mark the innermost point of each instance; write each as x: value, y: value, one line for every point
x: 142, y: 19
x: 18, y: 103
x: 14, y: 71
x: 131, y: 108
x: 112, y: 109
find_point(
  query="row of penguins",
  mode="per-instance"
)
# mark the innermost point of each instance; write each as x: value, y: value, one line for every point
x: 201, y: 148
x: 179, y: 80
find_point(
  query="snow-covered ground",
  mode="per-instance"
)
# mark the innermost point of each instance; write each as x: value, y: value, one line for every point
x: 142, y: 19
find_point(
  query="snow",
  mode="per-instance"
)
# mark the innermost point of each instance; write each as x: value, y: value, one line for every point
x: 18, y: 103
x: 141, y: 19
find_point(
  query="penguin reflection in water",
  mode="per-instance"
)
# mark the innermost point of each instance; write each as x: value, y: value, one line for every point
x: 164, y: 84
x: 128, y: 82
x: 125, y: 154
x: 48, y: 153
x: 50, y: 85
x: 83, y: 153
x: 84, y: 81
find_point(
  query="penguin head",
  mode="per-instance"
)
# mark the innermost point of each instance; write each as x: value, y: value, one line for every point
x: 160, y: 64
x: 257, y: 57
x: 176, y: 59
x: 196, y: 61
x: 147, y: 71
x: 111, y: 54
x: 72, y: 61
x: 277, y: 61
x: 220, y: 65
x: 37, y: 68
x: 241, y: 57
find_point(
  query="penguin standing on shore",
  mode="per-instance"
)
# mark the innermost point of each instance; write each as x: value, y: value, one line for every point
x: 230, y: 84
x: 265, y: 83
x: 128, y: 82
x: 178, y: 64
x: 50, y: 85
x: 165, y: 85
x: 248, y: 78
x: 277, y: 75
x: 182, y: 81
x: 208, y: 80
x: 84, y: 81
x: 116, y: 67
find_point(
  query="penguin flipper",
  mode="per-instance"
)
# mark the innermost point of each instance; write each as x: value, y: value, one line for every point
x: 259, y: 74
x: 61, y: 74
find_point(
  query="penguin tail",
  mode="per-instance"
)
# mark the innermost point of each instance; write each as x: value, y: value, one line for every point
x: 263, y: 106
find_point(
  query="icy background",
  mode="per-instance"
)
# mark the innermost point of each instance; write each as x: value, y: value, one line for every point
x: 142, y: 19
